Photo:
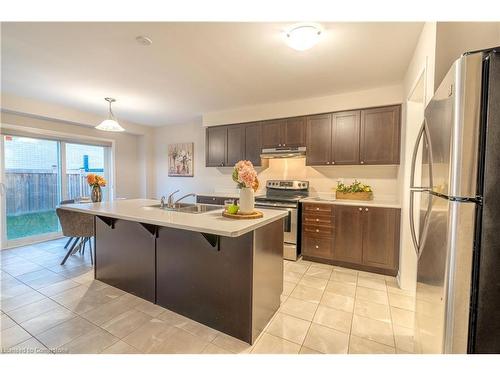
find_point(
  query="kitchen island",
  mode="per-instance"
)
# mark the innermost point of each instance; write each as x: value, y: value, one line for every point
x: 224, y: 273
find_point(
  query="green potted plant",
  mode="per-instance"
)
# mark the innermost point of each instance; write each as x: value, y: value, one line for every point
x: 354, y: 191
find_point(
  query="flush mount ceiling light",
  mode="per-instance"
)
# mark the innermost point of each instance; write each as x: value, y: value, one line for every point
x: 110, y: 125
x: 301, y: 37
x: 144, y: 40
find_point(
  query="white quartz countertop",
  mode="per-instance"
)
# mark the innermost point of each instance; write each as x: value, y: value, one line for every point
x: 383, y: 201
x: 140, y: 210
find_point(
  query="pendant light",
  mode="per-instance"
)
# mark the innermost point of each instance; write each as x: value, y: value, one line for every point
x: 110, y: 125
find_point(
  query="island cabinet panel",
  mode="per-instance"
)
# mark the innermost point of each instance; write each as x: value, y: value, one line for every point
x: 216, y: 141
x: 380, y: 135
x: 235, y: 144
x: 253, y: 143
x: 345, y: 137
x: 294, y: 134
x: 381, y: 237
x: 125, y: 256
x: 203, y: 283
x: 232, y: 284
x: 319, y: 140
x: 272, y: 133
x: 348, y: 244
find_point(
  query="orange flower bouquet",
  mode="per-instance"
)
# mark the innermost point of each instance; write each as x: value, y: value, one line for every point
x: 96, y: 182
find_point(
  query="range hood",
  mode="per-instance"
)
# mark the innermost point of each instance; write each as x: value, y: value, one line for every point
x: 283, y: 152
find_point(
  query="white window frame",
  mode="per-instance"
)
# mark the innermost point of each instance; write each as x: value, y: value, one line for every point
x: 62, y: 138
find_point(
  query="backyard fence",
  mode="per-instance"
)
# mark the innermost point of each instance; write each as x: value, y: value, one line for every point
x: 28, y: 191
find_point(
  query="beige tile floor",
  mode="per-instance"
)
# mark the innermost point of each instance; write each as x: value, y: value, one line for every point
x: 48, y: 308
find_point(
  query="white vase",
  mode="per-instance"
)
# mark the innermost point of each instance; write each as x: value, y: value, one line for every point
x: 247, y: 201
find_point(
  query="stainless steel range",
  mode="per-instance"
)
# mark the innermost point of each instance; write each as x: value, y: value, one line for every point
x: 285, y: 195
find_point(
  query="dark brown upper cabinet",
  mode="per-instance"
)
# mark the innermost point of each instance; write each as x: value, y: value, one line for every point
x: 272, y: 133
x: 318, y: 139
x: 224, y: 145
x: 253, y: 143
x: 290, y: 132
x: 235, y: 149
x: 345, y: 137
x: 366, y: 136
x: 294, y: 132
x: 380, y: 135
x: 215, y: 146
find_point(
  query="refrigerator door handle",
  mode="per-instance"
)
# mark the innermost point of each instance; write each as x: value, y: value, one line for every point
x: 424, y: 131
x: 418, y: 243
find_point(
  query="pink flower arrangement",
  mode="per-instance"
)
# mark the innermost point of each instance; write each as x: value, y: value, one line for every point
x: 245, y: 175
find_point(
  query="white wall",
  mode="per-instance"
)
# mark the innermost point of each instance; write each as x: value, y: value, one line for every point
x: 352, y: 100
x: 384, y: 179
x: 455, y: 38
x: 422, y: 62
x: 133, y: 149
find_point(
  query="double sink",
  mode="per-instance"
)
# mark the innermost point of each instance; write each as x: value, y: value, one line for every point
x: 192, y: 208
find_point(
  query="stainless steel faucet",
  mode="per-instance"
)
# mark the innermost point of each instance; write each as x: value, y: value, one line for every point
x: 185, y: 196
x: 170, y: 199
x: 162, y: 202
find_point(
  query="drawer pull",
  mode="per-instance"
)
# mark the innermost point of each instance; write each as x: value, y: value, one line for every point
x: 317, y: 219
x: 317, y: 230
x: 366, y: 209
x: 360, y: 209
x: 317, y: 247
x: 317, y: 208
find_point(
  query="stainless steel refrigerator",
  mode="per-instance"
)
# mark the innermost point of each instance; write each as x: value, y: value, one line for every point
x: 455, y: 211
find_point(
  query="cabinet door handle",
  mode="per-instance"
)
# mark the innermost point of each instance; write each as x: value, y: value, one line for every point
x: 360, y: 209
x: 366, y: 209
x: 317, y: 208
x: 333, y: 162
x: 317, y: 219
x: 362, y: 162
x: 213, y: 198
x: 317, y: 247
x: 317, y: 230
x: 284, y: 144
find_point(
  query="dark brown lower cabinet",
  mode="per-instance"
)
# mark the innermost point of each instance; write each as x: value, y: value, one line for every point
x: 364, y: 238
x: 381, y: 237
x: 317, y: 247
x: 348, y: 244
x: 211, y: 200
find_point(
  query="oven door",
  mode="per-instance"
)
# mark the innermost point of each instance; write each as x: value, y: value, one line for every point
x: 289, y: 226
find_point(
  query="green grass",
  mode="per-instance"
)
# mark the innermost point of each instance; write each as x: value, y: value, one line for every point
x: 31, y: 224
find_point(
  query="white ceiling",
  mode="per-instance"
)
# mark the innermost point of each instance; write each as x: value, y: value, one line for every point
x: 195, y: 68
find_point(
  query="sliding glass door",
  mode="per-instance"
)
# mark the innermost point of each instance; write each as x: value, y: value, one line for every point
x: 37, y: 175
x: 80, y: 161
x: 32, y: 186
